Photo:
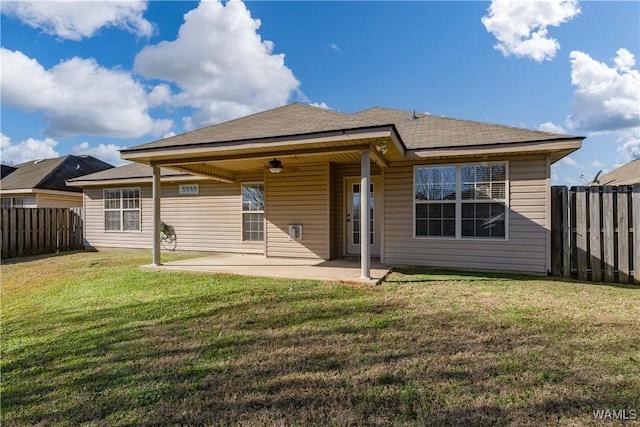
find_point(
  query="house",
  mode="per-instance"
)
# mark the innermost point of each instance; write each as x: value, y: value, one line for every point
x: 287, y: 182
x: 41, y: 183
x: 6, y: 170
x: 628, y: 174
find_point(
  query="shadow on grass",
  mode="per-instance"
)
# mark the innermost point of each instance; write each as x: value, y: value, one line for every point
x: 316, y: 357
x: 426, y: 274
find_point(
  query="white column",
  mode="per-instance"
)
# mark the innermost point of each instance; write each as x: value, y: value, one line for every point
x: 156, y: 215
x: 365, y: 179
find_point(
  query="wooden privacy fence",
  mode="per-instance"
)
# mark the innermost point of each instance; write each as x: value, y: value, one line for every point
x: 596, y: 233
x: 32, y: 231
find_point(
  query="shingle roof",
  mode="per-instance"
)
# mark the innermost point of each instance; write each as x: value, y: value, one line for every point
x: 628, y: 174
x: 6, y: 170
x: 419, y: 131
x: 423, y: 131
x: 51, y: 174
x: 131, y: 170
x: 292, y: 119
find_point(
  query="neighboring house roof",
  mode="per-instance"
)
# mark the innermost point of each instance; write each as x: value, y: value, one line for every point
x: 51, y: 174
x: 416, y: 131
x: 628, y: 174
x: 6, y: 170
x: 133, y: 171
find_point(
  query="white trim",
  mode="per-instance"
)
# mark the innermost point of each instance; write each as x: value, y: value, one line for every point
x: 41, y: 191
x: 345, y: 202
x: 264, y: 216
x: 458, y: 202
x: 500, y: 149
x: 229, y: 147
x: 122, y: 210
x: 136, y: 180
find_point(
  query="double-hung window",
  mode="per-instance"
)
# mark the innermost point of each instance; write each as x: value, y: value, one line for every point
x: 461, y: 201
x: 122, y: 209
x: 253, y: 212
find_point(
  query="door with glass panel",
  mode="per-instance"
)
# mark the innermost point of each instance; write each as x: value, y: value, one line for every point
x: 352, y: 216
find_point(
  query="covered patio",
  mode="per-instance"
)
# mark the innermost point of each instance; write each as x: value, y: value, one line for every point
x: 339, y: 270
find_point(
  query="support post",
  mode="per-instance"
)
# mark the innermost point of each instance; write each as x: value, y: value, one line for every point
x: 365, y: 179
x: 156, y: 215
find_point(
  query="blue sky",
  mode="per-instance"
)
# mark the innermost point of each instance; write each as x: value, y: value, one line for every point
x: 93, y: 77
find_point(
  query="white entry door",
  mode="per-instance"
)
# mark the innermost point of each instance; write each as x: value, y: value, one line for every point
x: 352, y: 216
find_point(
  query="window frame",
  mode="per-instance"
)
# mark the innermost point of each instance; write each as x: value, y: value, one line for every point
x: 14, y: 202
x: 243, y: 212
x: 121, y: 209
x: 459, y: 202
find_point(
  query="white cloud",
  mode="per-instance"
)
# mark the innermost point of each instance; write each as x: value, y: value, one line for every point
x: 75, y: 20
x: 630, y: 149
x: 78, y: 96
x: 320, y: 105
x: 606, y: 98
x: 551, y: 127
x: 521, y: 26
x: 569, y: 161
x: 222, y: 67
x: 597, y: 164
x: 160, y: 95
x: 24, y: 151
x: 106, y: 152
x: 335, y: 47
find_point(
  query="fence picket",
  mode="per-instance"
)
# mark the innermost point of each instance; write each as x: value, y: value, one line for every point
x: 595, y: 256
x: 603, y: 233
x: 635, y: 212
x: 5, y: 232
x: 30, y: 231
x: 608, y: 234
x: 581, y: 232
x: 623, y: 237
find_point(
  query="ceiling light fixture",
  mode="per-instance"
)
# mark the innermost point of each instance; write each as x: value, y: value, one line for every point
x: 275, y: 166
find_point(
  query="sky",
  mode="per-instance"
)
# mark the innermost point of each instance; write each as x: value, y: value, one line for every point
x: 93, y: 77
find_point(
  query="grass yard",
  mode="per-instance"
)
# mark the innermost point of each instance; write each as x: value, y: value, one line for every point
x: 88, y: 338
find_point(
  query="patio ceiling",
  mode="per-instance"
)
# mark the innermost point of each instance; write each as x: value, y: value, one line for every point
x: 222, y: 163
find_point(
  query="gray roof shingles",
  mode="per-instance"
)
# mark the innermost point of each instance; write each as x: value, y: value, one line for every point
x: 51, y: 174
x: 131, y: 170
x: 422, y: 132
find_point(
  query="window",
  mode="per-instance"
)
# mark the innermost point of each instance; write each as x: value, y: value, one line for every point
x: 253, y: 212
x: 122, y: 209
x: 13, y: 202
x: 461, y: 201
x: 483, y: 200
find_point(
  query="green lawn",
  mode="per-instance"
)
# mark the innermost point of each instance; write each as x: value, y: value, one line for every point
x: 88, y: 338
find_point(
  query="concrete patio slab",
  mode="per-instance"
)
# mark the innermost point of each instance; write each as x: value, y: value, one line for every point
x: 340, y: 270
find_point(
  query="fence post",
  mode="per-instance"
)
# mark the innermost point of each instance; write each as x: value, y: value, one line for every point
x: 635, y: 212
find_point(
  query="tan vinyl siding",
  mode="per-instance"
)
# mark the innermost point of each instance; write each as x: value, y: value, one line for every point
x: 210, y: 221
x: 58, y: 201
x: 333, y: 211
x: 524, y: 251
x: 298, y: 196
